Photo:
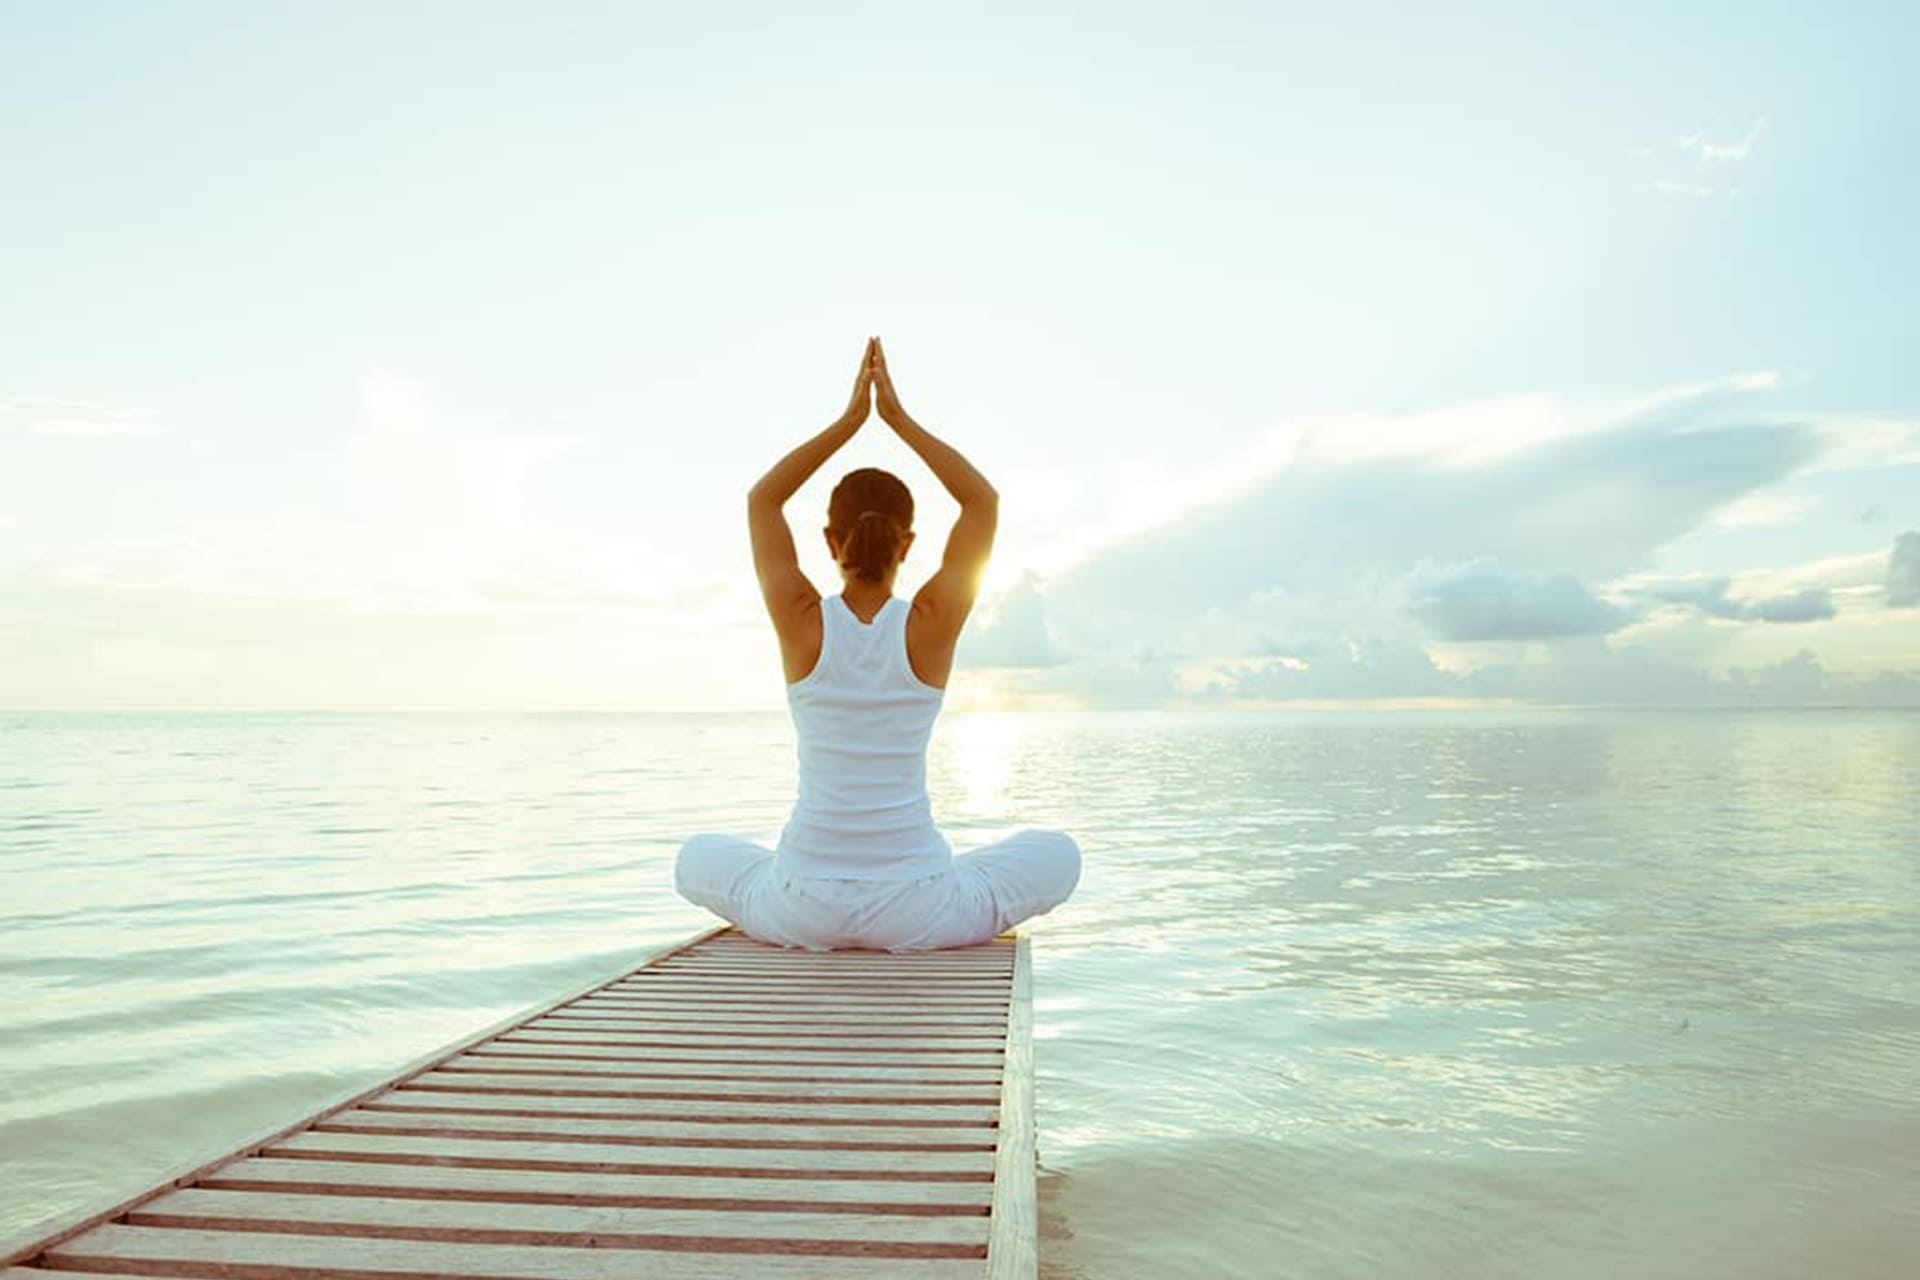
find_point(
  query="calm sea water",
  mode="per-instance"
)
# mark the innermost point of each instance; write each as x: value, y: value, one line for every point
x: 1341, y: 994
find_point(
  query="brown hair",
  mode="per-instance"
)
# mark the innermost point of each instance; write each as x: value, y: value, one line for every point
x: 869, y: 511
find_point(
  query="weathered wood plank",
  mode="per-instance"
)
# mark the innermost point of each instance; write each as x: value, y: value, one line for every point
x: 691, y: 1112
x: 751, y: 1040
x: 668, y: 995
x: 778, y: 983
x: 767, y: 1037
x: 703, y: 1110
x: 640, y: 1063
x: 709, y: 1190
x: 608, y: 1129
x: 578, y: 1226
x: 814, y: 1031
x: 1013, y: 1247
x: 838, y: 1015
x: 585, y: 1157
x: 476, y: 1079
x: 246, y: 1255
x: 681, y: 1053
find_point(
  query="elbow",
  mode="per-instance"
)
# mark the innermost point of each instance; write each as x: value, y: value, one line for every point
x: 987, y: 496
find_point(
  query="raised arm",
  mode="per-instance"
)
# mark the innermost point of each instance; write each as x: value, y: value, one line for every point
x: 775, y: 562
x: 951, y: 591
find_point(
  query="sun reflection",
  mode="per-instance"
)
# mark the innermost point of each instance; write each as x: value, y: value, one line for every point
x: 983, y: 748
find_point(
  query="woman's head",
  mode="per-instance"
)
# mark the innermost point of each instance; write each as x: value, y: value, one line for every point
x: 869, y: 524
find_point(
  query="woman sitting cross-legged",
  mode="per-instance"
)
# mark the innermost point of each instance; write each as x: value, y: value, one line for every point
x: 860, y: 862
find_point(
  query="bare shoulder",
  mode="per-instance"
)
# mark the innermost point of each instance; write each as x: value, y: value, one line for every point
x: 941, y: 606
x: 934, y: 624
x: 797, y: 622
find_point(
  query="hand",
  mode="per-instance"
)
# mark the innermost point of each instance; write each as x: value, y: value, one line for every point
x: 885, y: 399
x: 861, y: 402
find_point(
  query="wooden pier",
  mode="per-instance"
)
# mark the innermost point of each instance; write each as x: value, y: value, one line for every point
x: 724, y: 1109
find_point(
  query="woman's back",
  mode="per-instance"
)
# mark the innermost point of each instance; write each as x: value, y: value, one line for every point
x: 863, y: 719
x: 861, y: 863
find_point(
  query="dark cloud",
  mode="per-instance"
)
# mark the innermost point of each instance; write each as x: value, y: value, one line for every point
x: 1709, y: 596
x: 1592, y: 507
x: 1480, y: 600
x: 1016, y: 636
x: 1903, y: 571
x: 1812, y: 604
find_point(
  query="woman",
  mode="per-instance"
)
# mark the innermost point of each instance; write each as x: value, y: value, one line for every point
x: 860, y: 862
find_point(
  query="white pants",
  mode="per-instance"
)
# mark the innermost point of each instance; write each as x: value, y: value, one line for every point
x: 986, y: 892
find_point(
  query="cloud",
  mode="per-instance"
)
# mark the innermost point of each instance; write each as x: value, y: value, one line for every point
x: 1709, y: 595
x: 1855, y: 442
x: 1369, y: 668
x: 1479, y: 600
x: 1762, y: 509
x: 1584, y: 672
x: 67, y: 416
x: 1015, y: 635
x: 1312, y: 538
x: 1711, y: 163
x: 1812, y: 604
x: 1308, y: 577
x: 1903, y: 571
x: 1710, y: 152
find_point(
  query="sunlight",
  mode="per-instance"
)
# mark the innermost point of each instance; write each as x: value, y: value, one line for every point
x: 984, y: 746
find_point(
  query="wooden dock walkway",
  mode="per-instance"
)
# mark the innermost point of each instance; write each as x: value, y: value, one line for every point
x: 724, y: 1109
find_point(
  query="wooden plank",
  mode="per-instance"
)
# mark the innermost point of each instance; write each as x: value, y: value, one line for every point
x: 612, y: 1130
x: 545, y: 1079
x: 743, y: 1048
x: 563, y: 1225
x: 693, y: 1112
x: 38, y: 1237
x: 697, y: 1058
x: 841, y: 989
x: 808, y: 1030
x: 253, y: 1255
x: 853, y: 1043
x: 1012, y: 1250
x: 845, y: 1021
x: 667, y: 996
x: 586, y: 1157
x: 905, y: 985
x: 539, y: 1186
x: 640, y: 1063
x: 717, y: 1111
x: 775, y: 1021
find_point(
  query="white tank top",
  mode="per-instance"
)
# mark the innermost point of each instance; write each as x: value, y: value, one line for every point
x: 863, y: 720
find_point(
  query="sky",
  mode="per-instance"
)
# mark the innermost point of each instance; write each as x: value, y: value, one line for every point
x: 372, y: 356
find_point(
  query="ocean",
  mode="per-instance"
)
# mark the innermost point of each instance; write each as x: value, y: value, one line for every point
x: 1497, y: 993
